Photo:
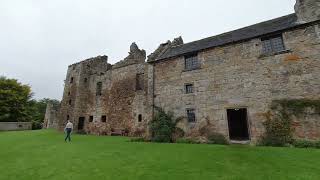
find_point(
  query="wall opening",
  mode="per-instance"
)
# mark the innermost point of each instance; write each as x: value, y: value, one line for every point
x: 99, y: 89
x: 103, y: 118
x: 91, y: 119
x: 81, y: 123
x: 238, y: 124
x: 140, y: 118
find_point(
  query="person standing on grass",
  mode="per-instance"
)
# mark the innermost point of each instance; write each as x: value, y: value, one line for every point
x: 68, y: 129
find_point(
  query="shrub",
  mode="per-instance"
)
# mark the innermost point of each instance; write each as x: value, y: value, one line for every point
x: 306, y: 144
x: 217, y: 138
x: 279, y: 124
x: 163, y: 126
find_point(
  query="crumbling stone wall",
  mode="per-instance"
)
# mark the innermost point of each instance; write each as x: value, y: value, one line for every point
x: 119, y: 100
x: 239, y: 76
x: 51, y: 116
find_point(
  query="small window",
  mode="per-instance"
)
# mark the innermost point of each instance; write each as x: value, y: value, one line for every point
x: 68, y: 117
x: 71, y: 80
x: 140, y: 118
x: 191, y: 115
x: 99, y: 88
x: 189, y: 88
x: 69, y: 93
x: 139, y: 82
x: 70, y: 102
x: 192, y: 62
x: 91, y: 119
x: 85, y: 80
x: 103, y: 118
x: 272, y: 44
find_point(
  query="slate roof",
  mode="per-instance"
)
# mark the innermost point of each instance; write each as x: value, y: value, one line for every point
x: 250, y: 32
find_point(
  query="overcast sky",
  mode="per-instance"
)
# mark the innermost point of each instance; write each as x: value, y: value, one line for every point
x: 40, y: 38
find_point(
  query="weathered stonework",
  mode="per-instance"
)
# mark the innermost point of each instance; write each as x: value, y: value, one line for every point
x: 232, y: 75
x: 307, y: 10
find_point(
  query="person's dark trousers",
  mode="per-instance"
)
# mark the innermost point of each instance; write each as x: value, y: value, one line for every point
x: 68, y: 130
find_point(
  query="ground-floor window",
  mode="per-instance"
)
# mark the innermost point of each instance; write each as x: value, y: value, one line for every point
x: 191, y: 115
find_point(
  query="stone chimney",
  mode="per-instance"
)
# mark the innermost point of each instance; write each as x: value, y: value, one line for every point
x: 307, y: 10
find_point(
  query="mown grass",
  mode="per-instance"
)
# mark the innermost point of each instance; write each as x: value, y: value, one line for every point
x: 44, y: 155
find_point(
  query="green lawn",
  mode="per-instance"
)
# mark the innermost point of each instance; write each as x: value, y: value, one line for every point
x: 43, y: 155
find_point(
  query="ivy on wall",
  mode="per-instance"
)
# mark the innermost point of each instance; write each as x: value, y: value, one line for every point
x: 279, y: 130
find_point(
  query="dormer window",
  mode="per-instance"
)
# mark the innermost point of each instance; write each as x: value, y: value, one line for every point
x: 191, y: 62
x: 272, y: 44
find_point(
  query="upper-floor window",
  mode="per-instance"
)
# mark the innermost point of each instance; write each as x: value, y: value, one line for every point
x: 99, y: 89
x: 191, y: 115
x: 192, y: 62
x: 139, y: 82
x: 91, y: 119
x: 71, y: 80
x: 189, y: 88
x: 273, y: 44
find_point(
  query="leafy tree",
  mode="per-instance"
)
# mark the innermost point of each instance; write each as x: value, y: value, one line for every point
x: 163, y: 126
x: 17, y: 105
x: 14, y: 101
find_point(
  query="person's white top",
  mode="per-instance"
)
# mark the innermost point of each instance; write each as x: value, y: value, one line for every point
x: 69, y: 125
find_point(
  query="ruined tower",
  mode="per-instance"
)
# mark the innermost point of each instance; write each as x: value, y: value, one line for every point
x: 307, y: 10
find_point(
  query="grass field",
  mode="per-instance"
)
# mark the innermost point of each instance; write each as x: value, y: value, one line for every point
x: 44, y: 155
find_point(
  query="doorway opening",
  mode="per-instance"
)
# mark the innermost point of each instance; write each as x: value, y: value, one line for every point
x: 81, y: 123
x: 238, y: 124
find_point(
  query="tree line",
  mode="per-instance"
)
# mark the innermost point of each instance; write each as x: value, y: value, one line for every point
x: 17, y: 103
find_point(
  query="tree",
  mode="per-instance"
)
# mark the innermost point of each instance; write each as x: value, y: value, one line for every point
x: 14, y: 101
x: 163, y: 126
x: 17, y: 105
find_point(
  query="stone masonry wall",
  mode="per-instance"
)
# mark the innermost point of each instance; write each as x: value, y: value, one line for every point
x: 239, y: 76
x: 119, y: 100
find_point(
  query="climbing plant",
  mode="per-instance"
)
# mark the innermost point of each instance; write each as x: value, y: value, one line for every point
x: 279, y: 130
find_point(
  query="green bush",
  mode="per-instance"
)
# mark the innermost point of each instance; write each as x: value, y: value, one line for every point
x: 163, y: 126
x: 217, y: 138
x: 278, y: 126
x: 306, y: 144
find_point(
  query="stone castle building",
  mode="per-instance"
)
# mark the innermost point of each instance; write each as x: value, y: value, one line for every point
x: 226, y: 81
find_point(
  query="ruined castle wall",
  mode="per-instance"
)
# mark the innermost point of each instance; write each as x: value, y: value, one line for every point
x: 118, y: 105
x: 240, y: 76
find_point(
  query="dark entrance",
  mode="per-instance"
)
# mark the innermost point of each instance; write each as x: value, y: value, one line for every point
x: 238, y: 124
x: 81, y: 123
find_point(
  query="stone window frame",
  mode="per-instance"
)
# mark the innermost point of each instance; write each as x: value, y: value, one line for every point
x: 99, y: 89
x: 191, y: 62
x: 90, y: 119
x: 273, y: 44
x: 187, y: 87
x: 103, y: 118
x: 191, y: 115
x: 140, y: 118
